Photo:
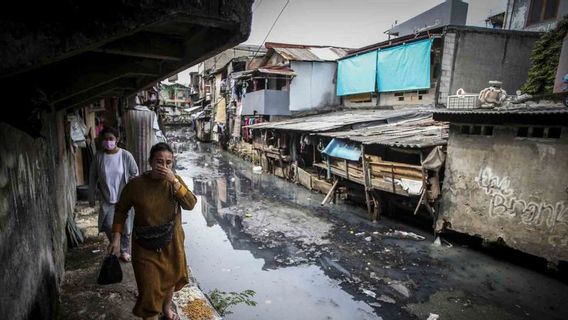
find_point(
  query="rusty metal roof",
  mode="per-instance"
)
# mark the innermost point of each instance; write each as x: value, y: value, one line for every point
x: 275, y: 70
x: 421, y: 132
x: 544, y: 114
x: 311, y: 54
x: 552, y: 109
x: 301, y: 52
x: 343, y: 120
x: 285, y: 71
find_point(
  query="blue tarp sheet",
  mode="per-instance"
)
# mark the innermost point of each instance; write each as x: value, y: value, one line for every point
x: 357, y: 74
x: 404, y: 67
x: 340, y: 149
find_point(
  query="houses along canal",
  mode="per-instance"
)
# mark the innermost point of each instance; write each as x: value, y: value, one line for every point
x: 304, y: 261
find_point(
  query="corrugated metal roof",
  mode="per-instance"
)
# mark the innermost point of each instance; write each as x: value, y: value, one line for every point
x: 311, y: 54
x: 343, y: 119
x: 529, y: 110
x: 285, y: 71
x: 279, y: 70
x: 421, y: 132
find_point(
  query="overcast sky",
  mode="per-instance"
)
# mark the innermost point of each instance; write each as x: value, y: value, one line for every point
x: 343, y: 23
x: 347, y: 23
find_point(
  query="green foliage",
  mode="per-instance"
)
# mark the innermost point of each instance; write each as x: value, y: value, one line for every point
x: 544, y: 59
x: 222, y: 301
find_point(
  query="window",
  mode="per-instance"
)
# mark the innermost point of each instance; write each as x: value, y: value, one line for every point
x: 476, y: 130
x: 542, y: 10
x: 522, y: 132
x: 360, y: 98
x: 539, y: 132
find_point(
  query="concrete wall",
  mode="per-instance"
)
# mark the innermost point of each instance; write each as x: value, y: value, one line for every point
x: 313, y: 86
x: 347, y: 102
x: 267, y: 102
x: 409, y: 98
x: 474, y: 56
x: 448, y: 54
x: 37, y: 192
x: 452, y: 12
x: 517, y: 12
x: 506, y: 187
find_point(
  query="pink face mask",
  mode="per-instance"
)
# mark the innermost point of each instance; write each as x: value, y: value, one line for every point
x: 109, y: 144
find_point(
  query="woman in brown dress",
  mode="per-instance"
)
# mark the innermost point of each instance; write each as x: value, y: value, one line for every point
x: 156, y: 196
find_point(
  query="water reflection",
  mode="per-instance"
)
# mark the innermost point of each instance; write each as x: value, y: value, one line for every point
x: 223, y: 256
x: 296, y: 278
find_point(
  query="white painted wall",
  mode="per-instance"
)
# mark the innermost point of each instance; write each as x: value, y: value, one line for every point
x: 313, y: 86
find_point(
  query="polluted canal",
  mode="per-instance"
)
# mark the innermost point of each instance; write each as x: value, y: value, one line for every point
x: 303, y: 261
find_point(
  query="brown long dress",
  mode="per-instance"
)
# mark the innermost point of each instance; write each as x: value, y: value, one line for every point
x: 155, y: 202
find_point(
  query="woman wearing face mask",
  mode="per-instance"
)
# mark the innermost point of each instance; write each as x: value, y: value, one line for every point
x: 110, y: 170
x: 159, y: 265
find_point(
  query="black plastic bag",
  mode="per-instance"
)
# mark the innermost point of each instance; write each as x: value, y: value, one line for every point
x: 111, y: 272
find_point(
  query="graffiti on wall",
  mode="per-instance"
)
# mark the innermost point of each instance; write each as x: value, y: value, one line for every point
x: 504, y: 203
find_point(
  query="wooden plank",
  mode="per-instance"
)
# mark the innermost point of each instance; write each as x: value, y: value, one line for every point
x: 402, y: 172
x: 420, y: 201
x: 382, y: 185
x: 372, y: 158
x: 321, y: 185
x: 396, y: 165
x: 366, y: 182
x: 305, y: 178
x: 331, y: 191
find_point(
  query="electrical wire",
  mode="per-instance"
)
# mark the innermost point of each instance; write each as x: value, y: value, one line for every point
x: 269, y: 31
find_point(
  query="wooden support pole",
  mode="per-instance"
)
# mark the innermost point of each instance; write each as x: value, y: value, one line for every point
x: 328, y: 176
x: 420, y: 201
x: 376, y: 206
x: 330, y: 193
x: 392, y: 178
x: 334, y: 198
x: 366, y: 180
x: 313, y: 153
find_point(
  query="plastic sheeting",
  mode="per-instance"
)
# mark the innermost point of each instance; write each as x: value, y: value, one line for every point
x: 435, y: 159
x: 404, y: 67
x: 357, y: 74
x: 340, y: 149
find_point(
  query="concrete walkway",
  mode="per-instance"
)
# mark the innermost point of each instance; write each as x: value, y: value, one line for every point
x: 81, y: 296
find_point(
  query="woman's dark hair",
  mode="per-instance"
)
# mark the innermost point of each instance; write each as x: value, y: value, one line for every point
x: 110, y: 130
x: 158, y: 147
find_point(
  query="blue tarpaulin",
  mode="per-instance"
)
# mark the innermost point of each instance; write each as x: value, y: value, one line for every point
x: 357, y: 74
x: 404, y: 67
x: 340, y: 149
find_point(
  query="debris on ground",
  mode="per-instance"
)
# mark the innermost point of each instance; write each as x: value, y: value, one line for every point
x: 404, y: 235
x: 433, y: 316
x: 198, y: 309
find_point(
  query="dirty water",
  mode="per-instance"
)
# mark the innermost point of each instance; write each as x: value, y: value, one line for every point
x: 304, y: 261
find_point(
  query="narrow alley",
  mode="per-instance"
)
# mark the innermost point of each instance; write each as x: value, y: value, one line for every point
x: 259, y: 232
